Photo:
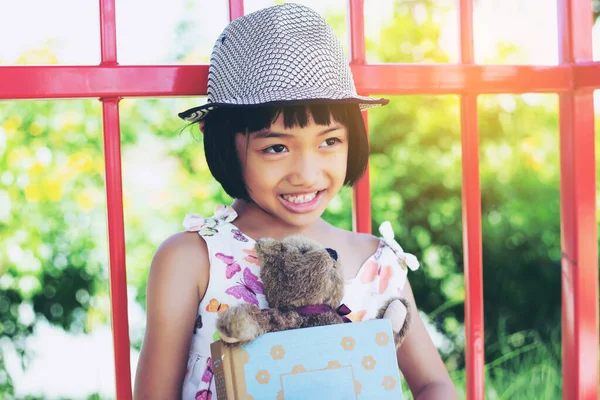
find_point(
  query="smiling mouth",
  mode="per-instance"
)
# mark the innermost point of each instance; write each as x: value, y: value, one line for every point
x: 301, y: 198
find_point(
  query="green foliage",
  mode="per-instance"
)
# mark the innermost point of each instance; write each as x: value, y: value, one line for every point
x: 532, y: 371
x: 416, y: 173
x: 6, y: 383
x: 52, y: 177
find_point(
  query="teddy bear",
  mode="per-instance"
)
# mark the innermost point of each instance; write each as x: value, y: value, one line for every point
x: 304, y: 286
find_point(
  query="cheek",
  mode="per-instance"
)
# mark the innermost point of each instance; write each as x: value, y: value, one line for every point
x: 340, y: 164
x: 249, y: 164
x: 249, y: 172
x: 259, y: 174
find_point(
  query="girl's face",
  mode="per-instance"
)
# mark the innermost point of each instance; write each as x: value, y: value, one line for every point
x: 294, y: 173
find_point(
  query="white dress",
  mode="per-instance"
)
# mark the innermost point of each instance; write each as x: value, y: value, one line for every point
x: 235, y: 279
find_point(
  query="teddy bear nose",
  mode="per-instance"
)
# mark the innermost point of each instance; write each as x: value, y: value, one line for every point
x: 332, y: 253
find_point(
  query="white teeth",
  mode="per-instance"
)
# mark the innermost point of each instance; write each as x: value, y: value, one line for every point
x: 303, y: 198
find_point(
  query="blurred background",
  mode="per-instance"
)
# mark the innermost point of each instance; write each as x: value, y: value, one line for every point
x: 55, y: 340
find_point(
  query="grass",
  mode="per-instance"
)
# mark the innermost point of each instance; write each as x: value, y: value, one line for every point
x: 531, y: 371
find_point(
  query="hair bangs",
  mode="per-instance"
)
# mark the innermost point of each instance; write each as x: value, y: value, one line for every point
x: 260, y: 118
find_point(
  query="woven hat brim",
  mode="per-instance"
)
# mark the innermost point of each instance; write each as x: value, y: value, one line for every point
x: 198, y: 113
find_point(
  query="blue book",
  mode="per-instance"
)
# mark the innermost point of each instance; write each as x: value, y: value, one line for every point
x: 346, y: 361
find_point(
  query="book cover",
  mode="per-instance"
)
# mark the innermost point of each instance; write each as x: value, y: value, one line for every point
x: 345, y: 361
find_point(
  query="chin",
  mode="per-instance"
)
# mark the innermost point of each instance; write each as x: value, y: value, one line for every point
x: 302, y: 220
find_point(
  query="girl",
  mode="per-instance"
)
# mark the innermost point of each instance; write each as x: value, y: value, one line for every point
x: 283, y: 132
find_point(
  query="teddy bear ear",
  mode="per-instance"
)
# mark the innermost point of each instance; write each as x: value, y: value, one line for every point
x: 265, y: 246
x: 332, y: 253
x: 300, y: 242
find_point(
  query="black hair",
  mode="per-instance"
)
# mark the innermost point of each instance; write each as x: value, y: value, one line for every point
x: 223, y: 123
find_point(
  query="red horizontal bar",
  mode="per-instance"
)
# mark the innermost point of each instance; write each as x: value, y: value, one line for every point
x: 35, y: 82
x: 587, y: 75
x: 460, y: 78
x: 101, y: 81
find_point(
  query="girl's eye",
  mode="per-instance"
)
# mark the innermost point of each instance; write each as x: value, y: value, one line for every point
x: 277, y: 148
x: 331, y: 141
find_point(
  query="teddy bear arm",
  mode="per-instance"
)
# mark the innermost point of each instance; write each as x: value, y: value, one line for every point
x: 322, y: 319
x: 399, y: 312
x: 281, y: 319
x: 241, y: 324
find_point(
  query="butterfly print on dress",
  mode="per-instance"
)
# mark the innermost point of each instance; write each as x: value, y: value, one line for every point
x: 247, y: 288
x: 238, y: 235
x: 375, y: 270
x: 208, y: 372
x: 251, y: 257
x: 204, y: 394
x: 198, y: 323
x: 379, y: 250
x: 231, y: 267
x: 208, y: 226
x: 214, y: 306
x: 205, y: 226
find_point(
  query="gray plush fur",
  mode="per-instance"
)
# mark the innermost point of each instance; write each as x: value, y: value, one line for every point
x: 295, y: 271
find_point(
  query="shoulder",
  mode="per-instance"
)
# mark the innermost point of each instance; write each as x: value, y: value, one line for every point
x: 181, y: 259
x: 361, y: 242
x: 183, y: 246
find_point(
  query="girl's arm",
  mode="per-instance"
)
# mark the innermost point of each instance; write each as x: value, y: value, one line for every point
x: 176, y: 283
x: 420, y: 361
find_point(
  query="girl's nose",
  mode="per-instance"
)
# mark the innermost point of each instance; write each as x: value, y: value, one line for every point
x: 305, y: 171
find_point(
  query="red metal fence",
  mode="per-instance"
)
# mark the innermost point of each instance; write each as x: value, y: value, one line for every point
x: 574, y: 79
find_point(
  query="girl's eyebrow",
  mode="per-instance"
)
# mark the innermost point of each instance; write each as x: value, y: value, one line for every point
x: 267, y: 134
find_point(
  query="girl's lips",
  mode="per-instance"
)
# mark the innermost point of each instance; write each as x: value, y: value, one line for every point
x: 302, y: 207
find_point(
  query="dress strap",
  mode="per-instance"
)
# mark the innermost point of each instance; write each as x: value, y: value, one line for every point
x: 209, y: 226
x: 405, y: 259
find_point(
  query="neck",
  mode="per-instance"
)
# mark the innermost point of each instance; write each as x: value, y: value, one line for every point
x: 270, y: 225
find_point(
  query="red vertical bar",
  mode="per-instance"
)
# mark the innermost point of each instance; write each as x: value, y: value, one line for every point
x: 579, y: 235
x: 116, y: 242
x: 236, y: 9
x: 114, y: 204
x: 108, y: 32
x: 361, y: 200
x: 357, y: 31
x: 471, y: 210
